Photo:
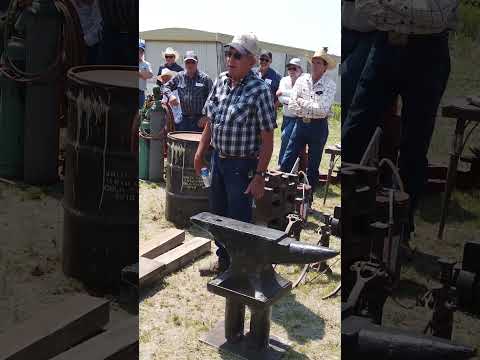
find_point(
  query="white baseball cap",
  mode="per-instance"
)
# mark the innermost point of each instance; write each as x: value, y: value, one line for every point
x: 190, y: 55
x: 244, y: 43
x: 295, y: 62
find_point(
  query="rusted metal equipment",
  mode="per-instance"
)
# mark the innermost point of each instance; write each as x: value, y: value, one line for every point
x: 459, y: 290
x: 363, y: 339
x: 333, y: 151
x: 186, y: 194
x: 284, y: 195
x: 251, y: 281
x: 465, y: 114
x: 101, y: 182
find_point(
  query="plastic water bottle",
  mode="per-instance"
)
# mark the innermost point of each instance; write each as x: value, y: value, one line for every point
x: 205, y: 174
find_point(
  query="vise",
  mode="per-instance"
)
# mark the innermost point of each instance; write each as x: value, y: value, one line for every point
x: 251, y: 281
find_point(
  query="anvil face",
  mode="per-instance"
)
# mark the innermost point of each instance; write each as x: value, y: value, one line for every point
x: 230, y: 228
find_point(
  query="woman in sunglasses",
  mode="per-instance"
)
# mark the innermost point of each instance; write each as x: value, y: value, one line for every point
x: 171, y: 56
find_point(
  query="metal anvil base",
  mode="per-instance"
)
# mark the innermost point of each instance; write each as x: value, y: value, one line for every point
x: 251, y: 281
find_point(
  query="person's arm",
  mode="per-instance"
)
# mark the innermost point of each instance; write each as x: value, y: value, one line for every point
x: 283, y: 93
x: 293, y: 105
x: 198, y: 160
x: 419, y: 17
x: 320, y: 106
x: 170, y: 87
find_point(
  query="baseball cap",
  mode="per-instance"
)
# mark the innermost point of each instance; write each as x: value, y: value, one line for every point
x: 141, y: 44
x: 266, y: 53
x: 295, y: 62
x: 245, y: 43
x: 190, y: 55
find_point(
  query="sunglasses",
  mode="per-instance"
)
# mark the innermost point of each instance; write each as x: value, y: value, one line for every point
x: 169, y: 56
x: 190, y: 62
x: 236, y: 56
x: 264, y: 59
x: 292, y: 68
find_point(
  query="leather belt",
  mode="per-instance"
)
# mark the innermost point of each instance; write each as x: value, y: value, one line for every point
x: 307, y: 120
x: 232, y: 157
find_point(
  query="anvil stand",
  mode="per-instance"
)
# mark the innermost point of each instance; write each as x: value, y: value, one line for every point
x: 228, y: 335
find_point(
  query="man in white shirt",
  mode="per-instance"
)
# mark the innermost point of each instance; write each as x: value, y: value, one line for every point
x: 311, y: 101
x: 144, y: 72
x: 284, y: 91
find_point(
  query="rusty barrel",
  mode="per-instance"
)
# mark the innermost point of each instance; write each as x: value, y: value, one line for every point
x: 185, y: 193
x: 101, y: 175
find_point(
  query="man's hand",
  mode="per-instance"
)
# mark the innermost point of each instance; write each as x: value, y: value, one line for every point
x: 198, y: 163
x: 256, y: 187
x: 202, y: 122
x: 173, y: 101
x: 279, y: 93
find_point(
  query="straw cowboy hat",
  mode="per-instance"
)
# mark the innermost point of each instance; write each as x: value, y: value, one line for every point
x: 166, y: 72
x: 322, y: 54
x: 171, y: 51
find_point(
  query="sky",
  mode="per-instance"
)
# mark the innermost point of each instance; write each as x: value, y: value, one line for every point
x: 305, y: 24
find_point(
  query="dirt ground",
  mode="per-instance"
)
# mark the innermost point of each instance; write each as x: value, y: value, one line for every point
x: 31, y: 232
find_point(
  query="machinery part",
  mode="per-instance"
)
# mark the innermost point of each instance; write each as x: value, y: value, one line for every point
x: 144, y: 150
x: 101, y: 177
x: 362, y: 339
x: 186, y: 194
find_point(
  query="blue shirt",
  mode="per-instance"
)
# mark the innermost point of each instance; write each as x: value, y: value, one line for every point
x: 272, y: 78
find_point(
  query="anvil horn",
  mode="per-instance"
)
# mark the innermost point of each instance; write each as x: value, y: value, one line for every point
x: 296, y: 252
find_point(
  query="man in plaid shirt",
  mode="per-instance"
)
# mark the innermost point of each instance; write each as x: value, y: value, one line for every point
x: 409, y: 57
x: 241, y: 121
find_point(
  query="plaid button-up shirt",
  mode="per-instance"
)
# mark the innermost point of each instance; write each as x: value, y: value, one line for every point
x: 193, y: 92
x: 239, y: 114
x: 409, y: 16
x: 312, y: 101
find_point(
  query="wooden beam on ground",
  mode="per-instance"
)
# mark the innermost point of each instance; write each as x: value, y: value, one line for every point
x: 56, y: 329
x: 149, y: 270
x: 183, y: 254
x: 161, y: 243
x: 118, y: 343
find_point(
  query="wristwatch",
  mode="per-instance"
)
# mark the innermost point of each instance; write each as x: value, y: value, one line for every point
x: 261, y: 173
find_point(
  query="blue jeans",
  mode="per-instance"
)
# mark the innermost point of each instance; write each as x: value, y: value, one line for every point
x: 313, y: 134
x: 230, y: 179
x: 141, y: 99
x: 188, y: 123
x: 355, y: 50
x: 287, y: 128
x: 421, y: 86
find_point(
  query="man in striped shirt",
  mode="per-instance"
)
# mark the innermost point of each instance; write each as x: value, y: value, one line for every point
x: 409, y: 57
x: 241, y: 121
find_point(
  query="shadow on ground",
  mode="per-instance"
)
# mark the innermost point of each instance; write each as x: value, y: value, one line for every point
x: 301, y: 324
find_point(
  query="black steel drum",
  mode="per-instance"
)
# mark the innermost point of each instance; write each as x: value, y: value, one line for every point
x: 185, y: 194
x: 101, y: 175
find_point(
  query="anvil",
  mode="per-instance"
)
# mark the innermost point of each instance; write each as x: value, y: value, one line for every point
x: 251, y: 281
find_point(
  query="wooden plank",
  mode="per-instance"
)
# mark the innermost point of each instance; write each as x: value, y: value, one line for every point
x: 183, y: 254
x: 56, y: 329
x: 162, y: 242
x: 149, y: 270
x: 118, y: 343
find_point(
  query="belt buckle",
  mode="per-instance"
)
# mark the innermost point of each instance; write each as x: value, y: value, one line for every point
x: 306, y: 120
